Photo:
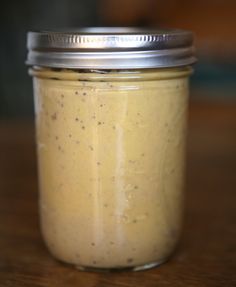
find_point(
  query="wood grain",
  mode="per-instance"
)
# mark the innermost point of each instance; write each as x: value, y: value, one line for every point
x: 207, y: 253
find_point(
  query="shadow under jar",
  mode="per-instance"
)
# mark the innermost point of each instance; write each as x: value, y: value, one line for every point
x: 110, y: 110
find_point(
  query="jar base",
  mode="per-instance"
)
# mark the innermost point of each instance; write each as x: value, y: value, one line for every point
x: 120, y: 269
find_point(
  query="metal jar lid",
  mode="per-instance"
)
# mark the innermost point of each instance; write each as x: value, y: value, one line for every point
x: 111, y: 48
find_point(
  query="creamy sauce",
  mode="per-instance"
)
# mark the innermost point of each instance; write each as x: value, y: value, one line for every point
x: 111, y: 162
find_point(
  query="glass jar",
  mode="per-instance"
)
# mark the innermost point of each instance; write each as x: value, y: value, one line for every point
x: 111, y: 123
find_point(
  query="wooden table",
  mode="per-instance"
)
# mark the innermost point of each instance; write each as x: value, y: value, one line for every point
x: 207, y: 253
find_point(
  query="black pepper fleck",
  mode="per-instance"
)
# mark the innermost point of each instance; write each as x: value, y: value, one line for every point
x: 130, y: 260
x: 99, y: 123
x: 94, y: 262
x: 83, y: 127
x: 76, y: 119
x: 98, y: 163
x: 93, y: 244
x: 54, y: 116
x: 136, y: 187
x: 84, y: 94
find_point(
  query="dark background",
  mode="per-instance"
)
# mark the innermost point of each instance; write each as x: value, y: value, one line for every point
x: 213, y: 22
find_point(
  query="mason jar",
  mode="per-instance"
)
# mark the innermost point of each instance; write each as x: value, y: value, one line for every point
x: 110, y: 106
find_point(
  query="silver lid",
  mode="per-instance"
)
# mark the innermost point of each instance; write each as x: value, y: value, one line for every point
x: 111, y: 48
